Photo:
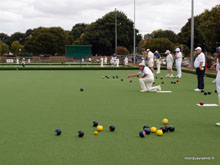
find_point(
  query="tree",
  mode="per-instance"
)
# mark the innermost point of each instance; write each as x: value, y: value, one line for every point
x: 29, y: 32
x: 16, y: 47
x: 185, y: 49
x: 50, y: 41
x: 169, y: 34
x: 184, y: 37
x: 16, y: 37
x: 147, y: 36
x: 77, y: 32
x: 3, y: 37
x: 4, y: 48
x: 210, y: 28
x: 101, y: 34
x: 207, y: 31
x: 120, y: 50
x: 160, y: 44
x: 141, y: 46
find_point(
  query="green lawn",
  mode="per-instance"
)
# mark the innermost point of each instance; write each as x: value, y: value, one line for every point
x: 35, y: 103
x: 47, y: 65
x: 60, y: 67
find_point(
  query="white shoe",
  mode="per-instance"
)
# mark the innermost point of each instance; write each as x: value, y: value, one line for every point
x: 159, y: 88
x: 214, y: 81
x: 167, y: 75
x: 143, y: 91
x: 197, y: 90
x: 218, y: 124
x: 171, y: 76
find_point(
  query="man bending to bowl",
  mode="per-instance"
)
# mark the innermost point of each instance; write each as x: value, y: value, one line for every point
x: 146, y: 80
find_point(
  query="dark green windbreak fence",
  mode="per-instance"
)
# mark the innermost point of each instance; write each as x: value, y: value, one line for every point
x: 79, y: 51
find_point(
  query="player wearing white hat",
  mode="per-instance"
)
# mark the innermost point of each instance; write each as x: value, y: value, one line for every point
x: 117, y: 62
x: 199, y: 64
x: 112, y: 61
x: 150, y: 60
x: 102, y: 62
x: 106, y: 60
x: 169, y: 61
x: 178, y: 57
x: 147, y: 79
x: 23, y: 62
x: 158, y: 61
x: 126, y: 61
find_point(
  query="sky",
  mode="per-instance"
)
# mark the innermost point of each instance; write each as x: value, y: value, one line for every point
x: 20, y: 15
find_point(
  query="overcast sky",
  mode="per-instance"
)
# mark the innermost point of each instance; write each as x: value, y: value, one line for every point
x: 20, y: 15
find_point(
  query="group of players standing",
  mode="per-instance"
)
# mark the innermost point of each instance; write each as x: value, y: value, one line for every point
x: 114, y: 61
x: 151, y: 57
x: 147, y: 73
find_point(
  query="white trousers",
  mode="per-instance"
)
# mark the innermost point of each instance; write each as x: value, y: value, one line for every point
x: 158, y: 66
x: 102, y: 64
x: 117, y: 64
x: 218, y: 83
x: 218, y: 86
x: 179, y: 69
x: 146, y: 84
x: 219, y: 98
x: 217, y: 67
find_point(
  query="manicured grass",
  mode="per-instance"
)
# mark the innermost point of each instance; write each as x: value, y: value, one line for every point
x: 35, y: 103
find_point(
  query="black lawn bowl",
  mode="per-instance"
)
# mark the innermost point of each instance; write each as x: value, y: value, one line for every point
x: 146, y: 126
x: 58, y: 132
x: 142, y: 134
x: 171, y: 128
x: 95, y: 123
x: 112, y: 128
x: 147, y: 131
x: 80, y: 134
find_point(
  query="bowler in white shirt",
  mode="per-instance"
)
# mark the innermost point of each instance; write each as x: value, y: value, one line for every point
x: 178, y: 57
x: 146, y: 80
x: 199, y: 64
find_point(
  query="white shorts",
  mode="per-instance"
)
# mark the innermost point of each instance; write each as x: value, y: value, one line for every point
x: 170, y: 65
x: 151, y: 64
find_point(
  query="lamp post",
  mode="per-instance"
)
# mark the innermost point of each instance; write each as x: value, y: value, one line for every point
x: 134, y: 31
x: 192, y: 34
x: 116, y: 32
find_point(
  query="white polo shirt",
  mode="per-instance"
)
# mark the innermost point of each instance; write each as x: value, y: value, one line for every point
x: 150, y: 56
x: 199, y: 58
x: 180, y: 57
x: 146, y: 71
x: 169, y: 58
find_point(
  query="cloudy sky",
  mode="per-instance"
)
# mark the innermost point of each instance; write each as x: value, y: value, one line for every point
x: 20, y: 15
